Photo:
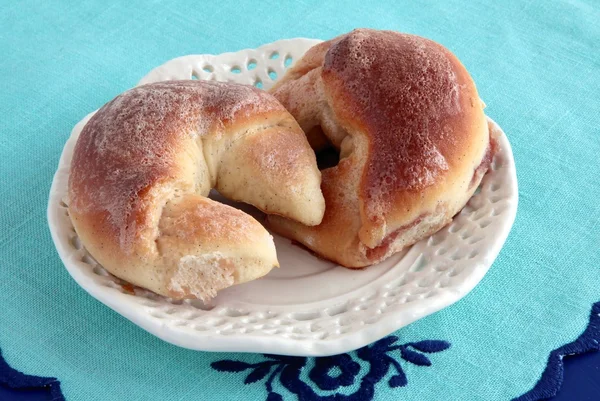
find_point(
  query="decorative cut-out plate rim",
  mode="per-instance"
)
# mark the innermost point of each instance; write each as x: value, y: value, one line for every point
x: 431, y: 275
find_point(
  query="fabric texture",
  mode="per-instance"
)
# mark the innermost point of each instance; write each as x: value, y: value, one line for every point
x: 536, y: 65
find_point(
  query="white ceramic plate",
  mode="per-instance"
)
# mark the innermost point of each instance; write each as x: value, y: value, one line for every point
x: 308, y: 306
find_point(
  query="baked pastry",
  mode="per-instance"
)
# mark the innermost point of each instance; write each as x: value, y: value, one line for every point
x: 144, y: 165
x: 413, y: 141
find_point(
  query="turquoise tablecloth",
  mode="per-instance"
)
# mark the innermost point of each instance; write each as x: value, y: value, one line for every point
x: 537, y: 65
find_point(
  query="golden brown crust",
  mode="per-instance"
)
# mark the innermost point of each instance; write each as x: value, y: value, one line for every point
x: 163, y: 146
x: 312, y: 59
x: 406, y: 115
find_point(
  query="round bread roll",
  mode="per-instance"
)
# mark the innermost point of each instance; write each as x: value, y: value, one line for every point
x: 144, y: 165
x: 412, y: 138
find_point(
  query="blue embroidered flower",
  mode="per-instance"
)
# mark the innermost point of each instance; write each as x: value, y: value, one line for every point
x: 321, y: 372
x: 333, y: 372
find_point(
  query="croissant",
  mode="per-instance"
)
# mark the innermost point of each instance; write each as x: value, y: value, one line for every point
x: 144, y: 165
x: 405, y: 117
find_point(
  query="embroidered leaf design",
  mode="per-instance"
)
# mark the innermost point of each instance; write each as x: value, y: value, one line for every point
x: 430, y: 346
x: 285, y: 358
x: 385, y: 342
x: 274, y: 397
x: 257, y: 374
x: 398, y: 380
x: 230, y: 366
x: 414, y: 357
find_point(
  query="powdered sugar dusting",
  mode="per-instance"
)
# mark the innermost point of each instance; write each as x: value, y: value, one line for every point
x: 402, y: 89
x: 131, y: 144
